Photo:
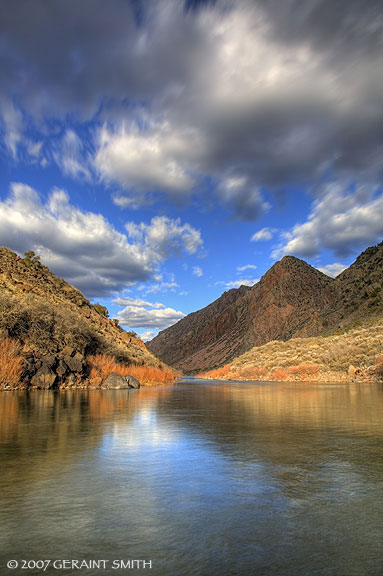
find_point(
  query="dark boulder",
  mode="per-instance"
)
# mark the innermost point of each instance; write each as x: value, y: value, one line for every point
x: 133, y: 382
x: 62, y: 368
x: 44, y: 378
x: 75, y: 363
x: 49, y: 360
x: 116, y: 382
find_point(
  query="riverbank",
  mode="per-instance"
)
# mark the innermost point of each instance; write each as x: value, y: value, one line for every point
x: 22, y: 369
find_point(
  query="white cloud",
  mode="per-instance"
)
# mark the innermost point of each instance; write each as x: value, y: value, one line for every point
x: 160, y: 287
x: 165, y: 236
x: 340, y: 221
x: 145, y: 160
x: 238, y: 283
x: 142, y: 317
x: 12, y: 126
x: 139, y: 313
x: 83, y: 247
x: 137, y: 302
x: 197, y: 271
x: 69, y: 156
x: 262, y: 235
x: 148, y: 335
x: 34, y: 149
x: 332, y: 270
x: 246, y: 267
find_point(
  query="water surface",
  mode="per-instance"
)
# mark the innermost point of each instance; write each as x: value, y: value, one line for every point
x: 202, y: 478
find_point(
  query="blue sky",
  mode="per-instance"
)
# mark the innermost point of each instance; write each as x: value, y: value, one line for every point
x: 156, y: 154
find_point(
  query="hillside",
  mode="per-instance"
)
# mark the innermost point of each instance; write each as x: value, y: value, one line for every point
x: 58, y: 337
x: 292, y: 299
x: 354, y: 354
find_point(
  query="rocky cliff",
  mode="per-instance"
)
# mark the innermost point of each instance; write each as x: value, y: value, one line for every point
x: 291, y: 299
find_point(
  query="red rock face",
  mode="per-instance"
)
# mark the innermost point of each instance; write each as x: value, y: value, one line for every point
x: 291, y: 299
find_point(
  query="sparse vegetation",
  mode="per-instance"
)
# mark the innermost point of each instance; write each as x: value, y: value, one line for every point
x: 102, y: 310
x: 46, y: 326
x: 31, y: 258
x: 11, y: 363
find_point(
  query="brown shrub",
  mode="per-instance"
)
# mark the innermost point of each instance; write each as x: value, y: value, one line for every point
x: 215, y: 374
x: 11, y: 363
x: 102, y: 365
x: 280, y: 374
x: 251, y: 372
x: 152, y: 375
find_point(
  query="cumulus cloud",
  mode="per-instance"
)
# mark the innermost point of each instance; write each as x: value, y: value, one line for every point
x: 269, y: 94
x: 262, y: 235
x: 342, y: 221
x: 197, y: 271
x: 83, y: 247
x: 165, y: 236
x: 142, y: 317
x: 148, y: 160
x: 139, y: 313
x: 332, y: 270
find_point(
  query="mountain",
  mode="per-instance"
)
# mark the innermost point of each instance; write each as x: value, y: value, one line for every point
x: 51, y: 330
x: 292, y: 299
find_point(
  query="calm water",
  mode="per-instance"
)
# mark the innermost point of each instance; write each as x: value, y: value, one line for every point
x: 203, y: 478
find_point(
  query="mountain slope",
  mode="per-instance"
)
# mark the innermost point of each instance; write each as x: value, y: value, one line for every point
x: 291, y: 299
x: 56, y: 327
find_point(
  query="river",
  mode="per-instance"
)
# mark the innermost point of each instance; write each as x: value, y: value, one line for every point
x: 202, y: 478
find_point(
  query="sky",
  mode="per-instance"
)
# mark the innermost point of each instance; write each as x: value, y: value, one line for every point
x: 157, y: 154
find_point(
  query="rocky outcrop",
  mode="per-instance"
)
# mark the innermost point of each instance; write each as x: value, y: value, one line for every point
x: 57, y: 328
x: 68, y: 368
x: 292, y: 299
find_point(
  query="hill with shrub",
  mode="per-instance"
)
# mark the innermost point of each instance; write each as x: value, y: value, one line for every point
x: 52, y: 336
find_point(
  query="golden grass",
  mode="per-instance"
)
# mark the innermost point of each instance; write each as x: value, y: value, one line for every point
x: 216, y: 374
x: 356, y: 353
x: 102, y: 365
x: 11, y: 363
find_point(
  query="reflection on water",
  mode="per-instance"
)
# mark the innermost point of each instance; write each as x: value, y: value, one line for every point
x: 203, y: 478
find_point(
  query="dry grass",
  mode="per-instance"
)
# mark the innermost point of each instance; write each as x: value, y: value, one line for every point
x: 216, y: 374
x: 11, y: 363
x: 102, y: 365
x: 356, y: 353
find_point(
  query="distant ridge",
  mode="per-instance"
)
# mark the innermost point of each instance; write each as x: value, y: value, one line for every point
x: 291, y: 299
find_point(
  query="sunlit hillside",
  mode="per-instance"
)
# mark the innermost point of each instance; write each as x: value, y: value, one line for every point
x: 353, y: 354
